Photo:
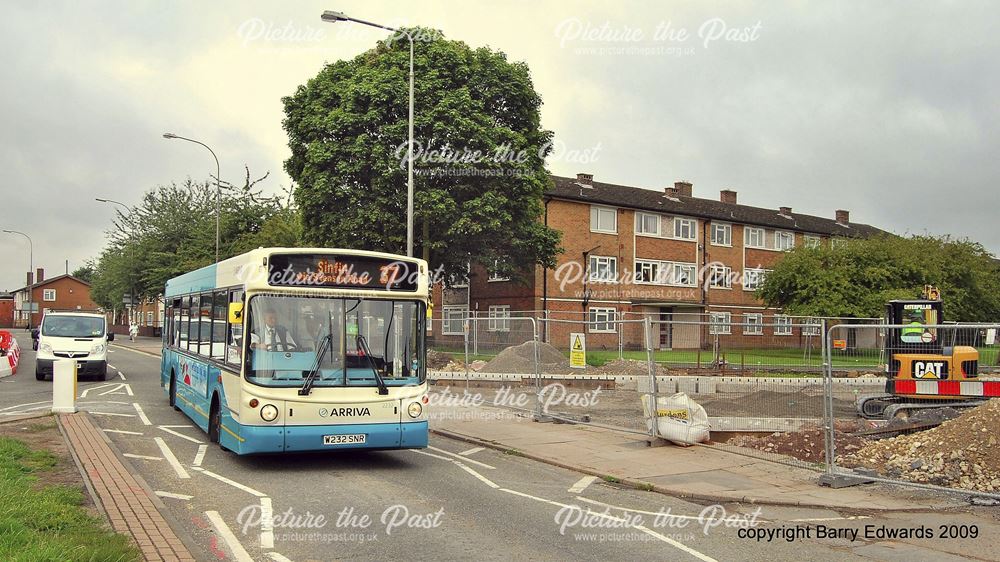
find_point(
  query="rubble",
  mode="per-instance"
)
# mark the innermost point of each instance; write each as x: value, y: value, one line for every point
x: 960, y: 453
x: 807, y: 444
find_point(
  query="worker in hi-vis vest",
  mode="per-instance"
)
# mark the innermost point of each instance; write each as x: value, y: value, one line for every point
x: 914, y: 331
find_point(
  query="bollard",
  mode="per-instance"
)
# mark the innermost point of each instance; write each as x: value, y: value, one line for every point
x: 64, y: 386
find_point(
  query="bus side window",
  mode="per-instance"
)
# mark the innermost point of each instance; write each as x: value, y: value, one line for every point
x: 184, y: 328
x: 219, y: 313
x: 195, y: 326
x: 234, y: 338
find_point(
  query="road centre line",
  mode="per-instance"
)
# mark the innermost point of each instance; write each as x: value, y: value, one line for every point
x: 449, y: 453
x: 239, y: 553
x: 582, y: 484
x: 200, y: 456
x: 142, y: 415
x: 178, y: 434
x: 266, y: 524
x: 169, y: 455
x: 232, y: 483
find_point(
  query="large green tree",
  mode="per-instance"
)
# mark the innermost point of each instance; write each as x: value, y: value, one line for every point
x: 857, y: 279
x: 479, y: 155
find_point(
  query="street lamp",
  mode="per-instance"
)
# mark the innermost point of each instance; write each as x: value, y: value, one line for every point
x: 31, y: 269
x: 334, y: 17
x: 131, y: 281
x: 218, y: 186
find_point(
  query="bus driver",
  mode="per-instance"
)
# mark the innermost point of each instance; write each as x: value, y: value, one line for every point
x: 275, y: 336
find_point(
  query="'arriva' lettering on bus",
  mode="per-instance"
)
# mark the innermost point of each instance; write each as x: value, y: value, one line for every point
x: 349, y: 412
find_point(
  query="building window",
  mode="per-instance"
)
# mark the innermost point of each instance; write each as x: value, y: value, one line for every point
x: 499, y: 319
x: 49, y: 295
x: 755, y: 237
x: 719, y: 323
x: 602, y: 320
x: 753, y: 324
x: 784, y: 241
x: 646, y: 223
x: 837, y: 243
x: 647, y: 271
x: 684, y: 275
x: 494, y: 276
x: 603, y: 269
x: 149, y: 318
x: 722, y: 277
x: 604, y: 219
x: 782, y: 325
x: 753, y: 279
x: 811, y: 241
x: 453, y: 320
x: 722, y: 234
x: 684, y: 229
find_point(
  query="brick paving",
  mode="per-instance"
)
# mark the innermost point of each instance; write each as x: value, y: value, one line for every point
x: 127, y: 504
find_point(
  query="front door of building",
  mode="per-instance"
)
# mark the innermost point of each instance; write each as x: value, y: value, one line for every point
x: 666, y: 328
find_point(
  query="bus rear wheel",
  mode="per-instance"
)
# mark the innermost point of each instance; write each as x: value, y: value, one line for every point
x: 215, y: 423
x: 173, y: 392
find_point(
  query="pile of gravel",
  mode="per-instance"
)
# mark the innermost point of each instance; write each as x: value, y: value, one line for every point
x: 519, y: 359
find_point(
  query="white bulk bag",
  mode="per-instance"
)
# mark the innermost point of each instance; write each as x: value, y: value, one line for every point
x: 679, y: 419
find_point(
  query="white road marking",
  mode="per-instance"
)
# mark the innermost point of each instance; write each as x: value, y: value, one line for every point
x: 239, y: 553
x: 449, y: 453
x: 247, y: 489
x: 175, y: 426
x: 172, y: 495
x: 472, y: 451
x: 482, y: 478
x: 113, y: 390
x: 582, y: 484
x: 169, y: 455
x: 200, y: 456
x: 630, y: 510
x: 266, y: 524
x: 22, y: 405
x: 113, y: 414
x: 87, y: 390
x: 821, y: 519
x: 123, y: 431
x: 677, y: 545
x: 121, y: 375
x: 178, y: 434
x: 277, y: 557
x: 143, y: 457
x: 142, y: 415
x: 128, y: 389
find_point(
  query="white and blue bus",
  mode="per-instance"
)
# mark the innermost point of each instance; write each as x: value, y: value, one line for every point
x: 288, y: 349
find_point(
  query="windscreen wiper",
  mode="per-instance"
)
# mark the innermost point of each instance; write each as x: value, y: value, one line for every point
x: 362, y: 344
x: 311, y: 377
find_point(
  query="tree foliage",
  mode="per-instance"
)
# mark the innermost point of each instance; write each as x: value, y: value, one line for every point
x: 347, y: 131
x: 858, y: 278
x: 172, y: 231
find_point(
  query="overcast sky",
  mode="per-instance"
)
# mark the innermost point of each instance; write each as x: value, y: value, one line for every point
x: 888, y: 109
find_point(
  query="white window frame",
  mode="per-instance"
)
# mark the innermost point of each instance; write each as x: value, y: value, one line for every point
x: 749, y: 232
x: 727, y: 280
x: 594, y: 267
x: 49, y: 295
x: 810, y: 241
x: 753, y: 324
x: 493, y: 277
x: 601, y: 320
x: 677, y: 272
x: 498, y: 318
x: 720, y: 323
x: 837, y: 243
x: 640, y: 228
x: 787, y: 237
x: 691, y: 226
x: 758, y: 276
x: 595, y: 219
x: 653, y: 266
x: 725, y: 227
x: 448, y: 317
x: 782, y: 325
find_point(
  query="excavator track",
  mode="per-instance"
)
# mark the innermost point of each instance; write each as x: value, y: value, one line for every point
x: 887, y: 406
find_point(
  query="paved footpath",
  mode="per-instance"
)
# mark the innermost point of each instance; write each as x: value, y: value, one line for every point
x: 128, y: 504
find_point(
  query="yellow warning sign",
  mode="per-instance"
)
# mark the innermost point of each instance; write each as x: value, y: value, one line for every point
x: 235, y: 313
x: 577, y: 351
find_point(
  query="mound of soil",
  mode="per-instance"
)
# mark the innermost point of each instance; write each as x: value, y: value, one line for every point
x: 807, y: 444
x: 520, y: 359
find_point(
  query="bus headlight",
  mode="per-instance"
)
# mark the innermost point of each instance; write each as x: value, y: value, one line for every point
x: 414, y: 409
x: 269, y: 412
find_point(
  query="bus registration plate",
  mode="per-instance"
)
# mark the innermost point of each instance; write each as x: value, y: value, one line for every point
x: 343, y: 439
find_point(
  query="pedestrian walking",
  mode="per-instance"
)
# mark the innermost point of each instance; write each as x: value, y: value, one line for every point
x: 133, y: 331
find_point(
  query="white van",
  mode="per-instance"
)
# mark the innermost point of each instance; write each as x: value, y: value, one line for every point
x: 82, y: 336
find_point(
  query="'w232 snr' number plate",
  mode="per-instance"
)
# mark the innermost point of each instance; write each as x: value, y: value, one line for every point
x: 343, y: 439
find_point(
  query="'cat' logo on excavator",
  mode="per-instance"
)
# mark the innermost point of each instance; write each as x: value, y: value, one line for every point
x: 930, y: 369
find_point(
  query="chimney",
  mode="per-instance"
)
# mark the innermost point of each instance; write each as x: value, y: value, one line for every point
x: 683, y: 188
x: 31, y: 279
x: 586, y: 179
x: 670, y: 192
x: 727, y: 196
x: 843, y: 217
x: 786, y: 211
x: 39, y: 275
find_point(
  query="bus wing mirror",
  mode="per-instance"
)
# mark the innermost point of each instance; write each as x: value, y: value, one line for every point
x: 111, y: 336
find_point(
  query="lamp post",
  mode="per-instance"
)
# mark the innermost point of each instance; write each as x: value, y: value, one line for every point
x: 334, y: 17
x: 31, y: 270
x: 131, y: 282
x: 218, y: 186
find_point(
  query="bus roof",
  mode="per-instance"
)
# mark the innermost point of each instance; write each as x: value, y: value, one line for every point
x: 247, y: 270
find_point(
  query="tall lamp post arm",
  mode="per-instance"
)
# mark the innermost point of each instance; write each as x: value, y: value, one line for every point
x: 218, y: 186
x: 31, y: 269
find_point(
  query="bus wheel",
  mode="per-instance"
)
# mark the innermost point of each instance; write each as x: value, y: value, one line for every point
x: 173, y: 392
x: 39, y: 376
x: 215, y: 422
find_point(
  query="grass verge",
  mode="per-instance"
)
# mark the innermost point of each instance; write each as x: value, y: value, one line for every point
x: 39, y: 522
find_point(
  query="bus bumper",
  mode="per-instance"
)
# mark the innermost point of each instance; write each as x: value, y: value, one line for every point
x: 276, y: 439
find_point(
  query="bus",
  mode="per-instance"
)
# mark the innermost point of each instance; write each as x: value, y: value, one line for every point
x: 300, y: 349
